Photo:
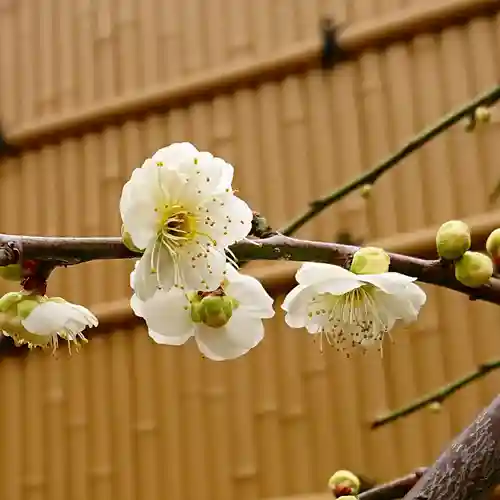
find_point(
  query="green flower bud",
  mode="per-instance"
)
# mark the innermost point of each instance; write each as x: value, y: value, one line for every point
x: 474, y: 269
x: 435, y: 407
x: 9, y: 300
x: 344, y: 479
x: 482, y: 114
x: 493, y: 244
x: 453, y: 239
x: 12, y: 272
x: 215, y: 311
x: 127, y: 241
x: 370, y: 260
x: 366, y: 191
x: 26, y: 306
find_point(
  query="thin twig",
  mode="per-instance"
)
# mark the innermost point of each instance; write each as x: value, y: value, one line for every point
x: 70, y: 251
x: 394, y: 489
x: 438, y: 396
x: 487, y: 99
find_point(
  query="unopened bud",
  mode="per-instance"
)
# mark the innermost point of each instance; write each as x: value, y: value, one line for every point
x: 370, y: 260
x: 9, y: 300
x: 474, y: 269
x: 214, y: 310
x: 453, y: 239
x: 347, y: 497
x: 435, y: 407
x: 366, y: 190
x: 12, y: 272
x: 127, y: 241
x: 344, y: 479
x: 482, y: 114
x: 493, y: 245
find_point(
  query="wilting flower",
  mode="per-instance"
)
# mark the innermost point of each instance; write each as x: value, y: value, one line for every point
x: 180, y: 208
x: 39, y: 321
x: 350, y: 310
x: 225, y: 323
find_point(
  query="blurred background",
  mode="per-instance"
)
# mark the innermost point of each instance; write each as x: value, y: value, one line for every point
x: 89, y: 88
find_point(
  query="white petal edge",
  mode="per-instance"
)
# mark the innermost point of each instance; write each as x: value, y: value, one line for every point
x: 136, y: 306
x: 145, y: 281
x: 251, y: 295
x: 175, y: 153
x: 167, y: 313
x: 170, y: 339
x: 314, y: 272
x: 405, y: 305
x: 241, y: 334
x: 388, y: 282
x: 296, y: 304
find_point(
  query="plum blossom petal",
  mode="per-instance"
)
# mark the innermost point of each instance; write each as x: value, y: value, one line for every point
x: 180, y: 208
x: 351, y: 310
x: 174, y: 316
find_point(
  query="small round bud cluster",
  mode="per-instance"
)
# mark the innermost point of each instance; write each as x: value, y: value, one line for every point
x: 344, y: 484
x: 453, y: 239
x: 472, y: 269
x: 370, y: 260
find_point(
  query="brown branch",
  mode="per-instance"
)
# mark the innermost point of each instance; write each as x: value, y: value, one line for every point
x: 69, y: 251
x: 470, y: 468
x: 394, y: 489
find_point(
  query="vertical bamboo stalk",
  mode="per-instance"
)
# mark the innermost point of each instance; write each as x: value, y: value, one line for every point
x: 28, y: 44
x: 12, y: 436
x: 462, y: 158
x: 10, y: 67
x: 122, y: 415
x: 266, y: 398
x: 87, y: 71
x: 401, y: 373
x: 38, y: 446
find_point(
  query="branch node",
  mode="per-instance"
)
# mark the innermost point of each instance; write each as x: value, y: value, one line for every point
x: 331, y: 51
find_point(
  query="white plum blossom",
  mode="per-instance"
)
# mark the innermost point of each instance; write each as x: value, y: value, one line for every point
x: 351, y: 310
x: 225, y: 327
x: 40, y: 321
x: 179, y: 208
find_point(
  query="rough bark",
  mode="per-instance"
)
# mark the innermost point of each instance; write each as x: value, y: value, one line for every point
x: 470, y: 468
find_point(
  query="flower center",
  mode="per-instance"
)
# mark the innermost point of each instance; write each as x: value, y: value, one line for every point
x: 349, y: 320
x: 177, y: 226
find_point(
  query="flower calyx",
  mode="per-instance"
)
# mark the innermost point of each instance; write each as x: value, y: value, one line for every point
x: 213, y: 309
